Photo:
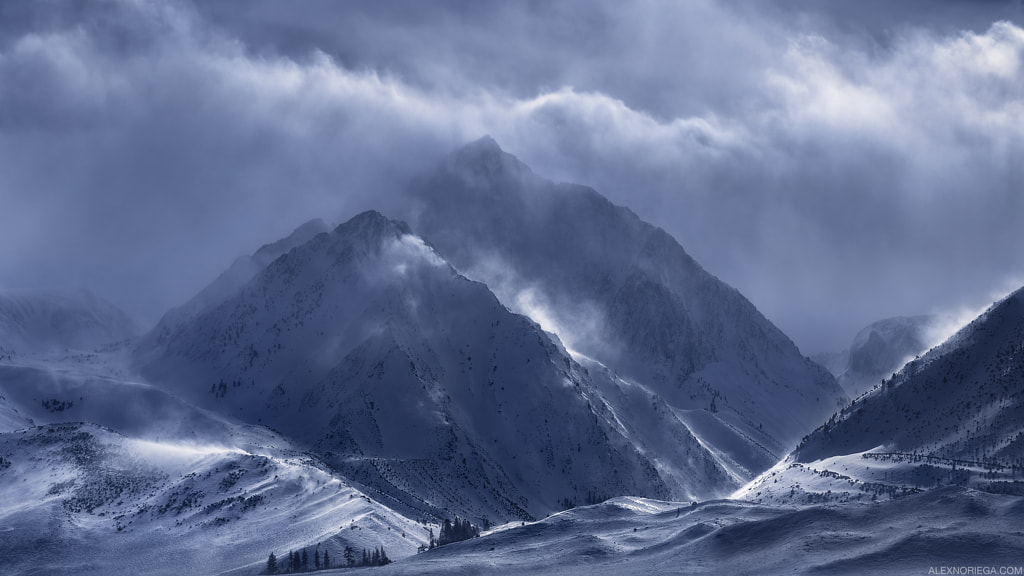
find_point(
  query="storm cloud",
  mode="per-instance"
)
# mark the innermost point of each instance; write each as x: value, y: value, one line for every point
x: 835, y: 165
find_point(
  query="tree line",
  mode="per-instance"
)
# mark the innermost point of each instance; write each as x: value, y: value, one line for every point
x: 298, y: 562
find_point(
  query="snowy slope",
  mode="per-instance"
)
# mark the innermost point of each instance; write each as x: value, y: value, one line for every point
x: 878, y: 351
x: 950, y: 527
x: 366, y: 346
x: 154, y: 485
x: 623, y: 293
x: 83, y: 499
x: 40, y: 323
x: 11, y: 418
x: 954, y: 416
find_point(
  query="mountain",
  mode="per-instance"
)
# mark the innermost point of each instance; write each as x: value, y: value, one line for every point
x: 40, y: 323
x: 878, y: 351
x: 625, y: 297
x: 951, y: 417
x: 237, y: 275
x: 365, y: 346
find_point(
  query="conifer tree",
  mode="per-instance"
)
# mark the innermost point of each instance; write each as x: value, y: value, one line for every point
x: 316, y: 559
x: 272, y: 564
x: 350, y: 556
x: 446, y: 533
x: 305, y: 559
x: 327, y: 560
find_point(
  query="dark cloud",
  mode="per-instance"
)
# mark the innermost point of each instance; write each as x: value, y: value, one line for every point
x: 837, y: 162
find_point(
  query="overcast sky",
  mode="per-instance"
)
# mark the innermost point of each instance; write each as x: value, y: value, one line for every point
x: 838, y: 162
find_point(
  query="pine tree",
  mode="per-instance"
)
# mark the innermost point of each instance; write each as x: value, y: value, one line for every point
x: 384, y: 560
x: 305, y: 559
x: 327, y: 560
x: 350, y: 556
x: 272, y: 564
x: 366, y: 558
x: 316, y: 559
x: 446, y: 533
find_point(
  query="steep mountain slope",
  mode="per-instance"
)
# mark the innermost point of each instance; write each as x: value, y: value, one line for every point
x: 954, y: 416
x: 624, y: 294
x: 39, y: 323
x: 368, y: 347
x: 231, y: 280
x: 878, y: 351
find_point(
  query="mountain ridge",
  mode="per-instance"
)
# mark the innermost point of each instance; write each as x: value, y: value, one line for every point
x: 951, y: 417
x: 373, y: 315
x: 619, y: 291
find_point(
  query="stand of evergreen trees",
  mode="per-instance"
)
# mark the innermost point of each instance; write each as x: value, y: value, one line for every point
x: 298, y: 562
x: 454, y: 532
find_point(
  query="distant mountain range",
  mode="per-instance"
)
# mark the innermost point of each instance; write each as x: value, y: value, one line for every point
x: 37, y: 323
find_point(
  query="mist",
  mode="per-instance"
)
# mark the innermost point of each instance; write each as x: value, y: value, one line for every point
x: 837, y: 164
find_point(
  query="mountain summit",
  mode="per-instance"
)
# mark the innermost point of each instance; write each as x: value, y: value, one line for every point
x: 624, y: 296
x: 529, y: 347
x: 365, y: 346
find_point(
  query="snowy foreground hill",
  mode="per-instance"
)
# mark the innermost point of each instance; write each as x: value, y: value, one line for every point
x: 105, y: 475
x: 527, y: 356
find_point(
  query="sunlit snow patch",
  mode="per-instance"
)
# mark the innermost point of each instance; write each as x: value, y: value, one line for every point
x: 168, y: 452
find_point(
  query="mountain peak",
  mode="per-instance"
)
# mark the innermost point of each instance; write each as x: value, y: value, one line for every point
x: 373, y: 224
x: 486, y: 144
x: 483, y: 164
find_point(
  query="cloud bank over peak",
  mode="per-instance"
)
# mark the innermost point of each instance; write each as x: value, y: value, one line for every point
x: 834, y: 169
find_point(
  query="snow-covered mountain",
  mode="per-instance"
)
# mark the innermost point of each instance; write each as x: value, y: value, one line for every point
x: 531, y: 348
x: 237, y: 275
x: 952, y: 416
x: 878, y: 351
x: 39, y: 323
x: 366, y: 346
x: 623, y: 295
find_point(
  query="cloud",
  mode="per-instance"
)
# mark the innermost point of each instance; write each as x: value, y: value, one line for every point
x: 835, y: 175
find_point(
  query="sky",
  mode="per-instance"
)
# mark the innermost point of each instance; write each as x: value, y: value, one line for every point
x: 837, y: 162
